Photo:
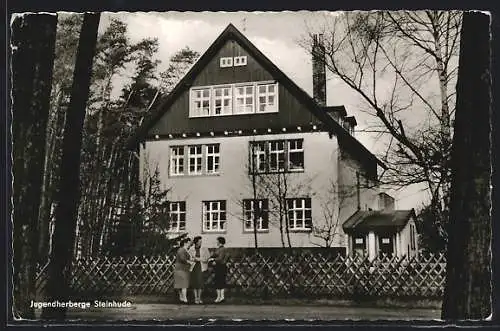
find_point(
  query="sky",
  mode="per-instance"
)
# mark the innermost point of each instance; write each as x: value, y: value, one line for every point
x: 277, y: 35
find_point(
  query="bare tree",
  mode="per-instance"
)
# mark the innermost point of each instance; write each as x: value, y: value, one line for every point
x: 394, y: 61
x: 332, y: 202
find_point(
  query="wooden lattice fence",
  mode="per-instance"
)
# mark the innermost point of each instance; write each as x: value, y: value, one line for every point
x: 287, y: 275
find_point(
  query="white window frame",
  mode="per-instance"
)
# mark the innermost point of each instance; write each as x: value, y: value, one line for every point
x: 240, y: 61
x: 226, y: 62
x: 215, y: 155
x: 175, y: 210
x: 176, y: 159
x: 245, y: 108
x: 277, y: 152
x: 248, y: 214
x: 232, y: 109
x: 267, y: 95
x: 196, y: 158
x: 259, y: 156
x: 291, y: 150
x: 212, y: 208
x: 199, y: 111
x: 224, y: 110
x: 298, y: 206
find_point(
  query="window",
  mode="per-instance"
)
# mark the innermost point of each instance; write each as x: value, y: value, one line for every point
x: 259, y: 208
x: 299, y: 214
x: 214, y: 215
x: 177, y: 216
x: 244, y: 99
x: 213, y: 156
x: 226, y: 62
x: 386, y: 241
x: 358, y: 241
x: 234, y: 99
x: 295, y: 155
x: 201, y: 102
x: 222, y: 100
x: 267, y: 97
x: 277, y: 156
x: 195, y: 159
x: 412, y: 237
x: 176, y: 160
x: 259, y: 156
x: 240, y: 61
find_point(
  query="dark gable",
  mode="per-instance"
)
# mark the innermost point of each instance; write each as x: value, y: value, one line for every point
x: 317, y: 113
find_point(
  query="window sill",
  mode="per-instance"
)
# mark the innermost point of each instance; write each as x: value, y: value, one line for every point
x: 258, y: 231
x: 213, y: 231
x: 235, y: 114
x: 196, y: 175
x: 278, y: 172
x: 300, y: 230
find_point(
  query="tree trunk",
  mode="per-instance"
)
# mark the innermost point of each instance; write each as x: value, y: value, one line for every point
x: 33, y: 44
x: 46, y: 198
x: 468, y: 281
x: 67, y: 209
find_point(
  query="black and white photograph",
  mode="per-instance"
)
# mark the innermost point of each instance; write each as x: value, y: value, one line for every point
x: 250, y: 166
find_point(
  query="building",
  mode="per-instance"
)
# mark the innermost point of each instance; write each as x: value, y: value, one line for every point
x: 238, y: 143
x: 385, y: 231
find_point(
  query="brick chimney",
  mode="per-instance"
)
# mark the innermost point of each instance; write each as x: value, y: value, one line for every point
x: 319, y: 70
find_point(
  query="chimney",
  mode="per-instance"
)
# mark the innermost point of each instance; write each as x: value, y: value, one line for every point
x: 350, y: 123
x: 319, y: 70
x: 385, y: 202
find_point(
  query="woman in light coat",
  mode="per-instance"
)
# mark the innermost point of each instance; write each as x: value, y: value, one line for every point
x: 200, y: 256
x: 181, y: 269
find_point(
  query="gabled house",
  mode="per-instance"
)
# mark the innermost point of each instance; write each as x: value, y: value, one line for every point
x: 239, y: 144
x: 380, y: 232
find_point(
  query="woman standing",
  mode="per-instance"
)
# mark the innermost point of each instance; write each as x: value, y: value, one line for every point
x: 220, y: 257
x: 181, y: 270
x: 200, y: 257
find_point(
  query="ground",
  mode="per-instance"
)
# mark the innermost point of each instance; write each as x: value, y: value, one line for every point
x: 159, y: 312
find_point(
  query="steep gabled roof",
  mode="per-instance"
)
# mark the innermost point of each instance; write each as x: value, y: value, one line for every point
x: 231, y: 33
x: 366, y: 220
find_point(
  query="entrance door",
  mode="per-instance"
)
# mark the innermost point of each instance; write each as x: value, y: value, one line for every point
x: 385, y: 244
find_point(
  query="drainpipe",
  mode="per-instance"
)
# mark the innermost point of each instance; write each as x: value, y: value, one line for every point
x: 358, y: 190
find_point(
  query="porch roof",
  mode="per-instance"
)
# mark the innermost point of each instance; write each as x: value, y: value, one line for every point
x: 366, y: 220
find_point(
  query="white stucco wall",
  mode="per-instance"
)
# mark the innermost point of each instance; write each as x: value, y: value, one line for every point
x: 233, y: 184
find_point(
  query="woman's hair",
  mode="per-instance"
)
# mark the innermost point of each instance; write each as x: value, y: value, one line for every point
x: 184, y: 241
x: 221, y: 240
x: 196, y: 239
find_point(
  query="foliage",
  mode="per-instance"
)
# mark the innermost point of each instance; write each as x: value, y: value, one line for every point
x: 110, y: 213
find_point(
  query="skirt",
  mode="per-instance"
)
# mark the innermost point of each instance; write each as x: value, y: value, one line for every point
x: 197, y: 280
x: 220, y: 272
x: 181, y: 278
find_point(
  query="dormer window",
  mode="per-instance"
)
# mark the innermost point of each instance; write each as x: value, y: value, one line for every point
x: 234, y: 99
x: 240, y: 61
x: 226, y: 62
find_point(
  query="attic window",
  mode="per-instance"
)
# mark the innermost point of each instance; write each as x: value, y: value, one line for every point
x: 240, y: 61
x: 226, y: 62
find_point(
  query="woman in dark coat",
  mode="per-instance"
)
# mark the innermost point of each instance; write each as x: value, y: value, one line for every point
x: 181, y: 270
x: 220, y: 258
